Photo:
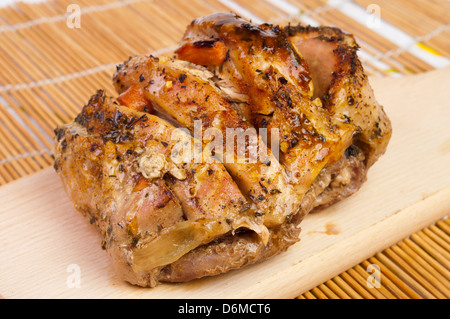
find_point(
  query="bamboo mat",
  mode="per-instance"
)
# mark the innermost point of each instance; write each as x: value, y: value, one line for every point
x: 51, y: 66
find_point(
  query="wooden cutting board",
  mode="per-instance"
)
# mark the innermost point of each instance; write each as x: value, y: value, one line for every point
x: 45, y: 243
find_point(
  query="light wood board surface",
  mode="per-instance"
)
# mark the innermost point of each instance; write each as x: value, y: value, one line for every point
x: 43, y: 237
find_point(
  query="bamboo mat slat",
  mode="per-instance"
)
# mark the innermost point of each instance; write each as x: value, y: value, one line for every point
x: 433, y: 15
x: 49, y: 71
x: 408, y: 270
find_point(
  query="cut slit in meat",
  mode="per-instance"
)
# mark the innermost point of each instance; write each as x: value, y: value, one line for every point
x: 343, y: 87
x: 166, y: 218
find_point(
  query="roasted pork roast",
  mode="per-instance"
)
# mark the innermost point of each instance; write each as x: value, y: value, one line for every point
x: 209, y: 160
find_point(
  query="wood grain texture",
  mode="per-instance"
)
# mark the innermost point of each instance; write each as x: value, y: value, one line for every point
x: 409, y: 188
